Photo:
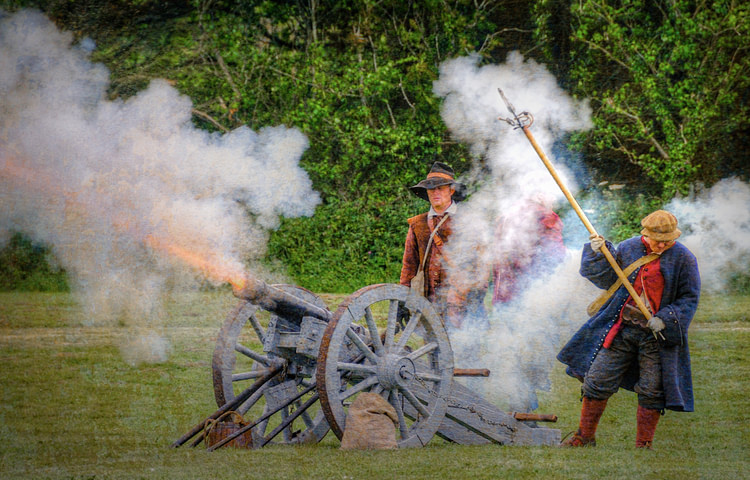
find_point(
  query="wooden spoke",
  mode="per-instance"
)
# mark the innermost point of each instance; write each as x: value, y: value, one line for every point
x: 356, y: 367
x: 306, y: 418
x: 361, y: 345
x: 248, y: 404
x: 393, y: 400
x: 361, y: 386
x: 410, y: 327
x: 430, y: 377
x: 390, y: 329
x: 285, y: 432
x: 238, y: 377
x: 414, y: 401
x: 423, y: 350
x: 251, y: 354
x: 258, y: 329
x: 374, y: 332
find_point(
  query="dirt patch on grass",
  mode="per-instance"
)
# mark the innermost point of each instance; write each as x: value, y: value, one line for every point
x: 90, y: 336
x: 721, y: 327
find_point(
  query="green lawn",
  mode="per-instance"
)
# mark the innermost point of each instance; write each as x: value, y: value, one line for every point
x: 71, y: 407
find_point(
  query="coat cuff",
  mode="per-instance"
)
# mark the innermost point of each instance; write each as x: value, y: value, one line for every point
x: 672, y: 329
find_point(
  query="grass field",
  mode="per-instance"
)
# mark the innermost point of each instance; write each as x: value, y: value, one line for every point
x: 72, y: 408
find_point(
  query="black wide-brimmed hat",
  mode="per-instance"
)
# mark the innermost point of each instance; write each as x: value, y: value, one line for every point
x: 440, y: 174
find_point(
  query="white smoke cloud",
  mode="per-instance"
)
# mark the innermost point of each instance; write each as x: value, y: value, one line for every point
x: 525, y: 334
x: 500, y: 220
x: 471, y: 108
x: 130, y: 194
x: 716, y: 228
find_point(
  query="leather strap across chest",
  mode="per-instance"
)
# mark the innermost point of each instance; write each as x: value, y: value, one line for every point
x: 602, y: 299
x: 429, y: 241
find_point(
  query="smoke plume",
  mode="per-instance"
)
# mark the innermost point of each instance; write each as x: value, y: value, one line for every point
x: 129, y: 194
x: 499, y: 222
x: 715, y: 226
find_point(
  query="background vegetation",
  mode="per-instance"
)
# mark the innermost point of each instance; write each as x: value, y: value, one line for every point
x: 669, y: 82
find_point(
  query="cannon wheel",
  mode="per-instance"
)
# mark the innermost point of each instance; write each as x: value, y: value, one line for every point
x: 409, y: 363
x: 236, y: 365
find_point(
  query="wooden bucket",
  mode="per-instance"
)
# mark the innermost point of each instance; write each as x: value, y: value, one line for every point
x: 221, y: 428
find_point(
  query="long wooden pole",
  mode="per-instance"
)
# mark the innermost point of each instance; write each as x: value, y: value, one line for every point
x: 471, y: 372
x: 519, y: 123
x: 607, y: 254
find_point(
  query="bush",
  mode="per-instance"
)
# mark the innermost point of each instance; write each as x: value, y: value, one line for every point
x: 27, y: 266
x: 346, y: 246
x: 739, y: 281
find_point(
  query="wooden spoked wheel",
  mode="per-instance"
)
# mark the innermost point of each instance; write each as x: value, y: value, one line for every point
x: 239, y: 360
x: 387, y: 340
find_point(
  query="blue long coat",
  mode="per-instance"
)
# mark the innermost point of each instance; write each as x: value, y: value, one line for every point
x: 678, y: 304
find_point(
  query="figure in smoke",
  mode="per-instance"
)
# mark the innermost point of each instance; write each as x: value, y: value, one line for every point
x: 528, y: 246
x: 618, y: 347
x: 425, y: 265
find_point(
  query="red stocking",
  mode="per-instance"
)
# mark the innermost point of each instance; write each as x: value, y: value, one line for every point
x: 646, y: 420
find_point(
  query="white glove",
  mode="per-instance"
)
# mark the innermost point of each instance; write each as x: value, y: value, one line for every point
x: 597, y: 241
x: 656, y: 324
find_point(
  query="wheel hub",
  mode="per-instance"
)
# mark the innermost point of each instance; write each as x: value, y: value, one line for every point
x: 395, y: 371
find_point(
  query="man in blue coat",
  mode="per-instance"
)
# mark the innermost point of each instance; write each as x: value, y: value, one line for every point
x: 619, y: 347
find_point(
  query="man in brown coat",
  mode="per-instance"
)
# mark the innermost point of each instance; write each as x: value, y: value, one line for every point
x: 454, y: 304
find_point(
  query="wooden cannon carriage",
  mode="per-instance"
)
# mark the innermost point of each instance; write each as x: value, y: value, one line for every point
x: 291, y: 367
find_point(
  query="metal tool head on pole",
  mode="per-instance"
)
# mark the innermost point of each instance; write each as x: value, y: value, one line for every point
x: 519, y: 120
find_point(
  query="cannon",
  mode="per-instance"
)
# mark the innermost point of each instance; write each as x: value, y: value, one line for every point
x: 292, y: 367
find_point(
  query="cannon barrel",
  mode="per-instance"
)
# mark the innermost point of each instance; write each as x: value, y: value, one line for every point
x: 274, y: 300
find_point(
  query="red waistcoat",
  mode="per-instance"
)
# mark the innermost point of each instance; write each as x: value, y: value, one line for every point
x: 650, y: 279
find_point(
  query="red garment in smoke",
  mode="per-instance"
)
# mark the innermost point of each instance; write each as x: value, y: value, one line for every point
x: 518, y: 263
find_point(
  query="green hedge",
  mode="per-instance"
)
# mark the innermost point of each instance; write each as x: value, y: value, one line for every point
x: 356, y: 78
x: 27, y: 266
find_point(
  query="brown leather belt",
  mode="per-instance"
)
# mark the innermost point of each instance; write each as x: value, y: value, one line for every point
x: 633, y: 316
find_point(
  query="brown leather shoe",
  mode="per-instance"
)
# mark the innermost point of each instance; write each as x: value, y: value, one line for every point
x: 576, y: 440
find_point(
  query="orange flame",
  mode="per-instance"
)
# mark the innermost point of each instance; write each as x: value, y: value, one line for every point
x: 216, y: 269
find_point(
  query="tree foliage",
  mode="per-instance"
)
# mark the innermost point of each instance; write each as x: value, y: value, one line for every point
x: 669, y: 82
x: 354, y: 76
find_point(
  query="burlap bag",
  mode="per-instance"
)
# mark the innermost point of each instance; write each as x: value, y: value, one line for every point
x: 370, y: 424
